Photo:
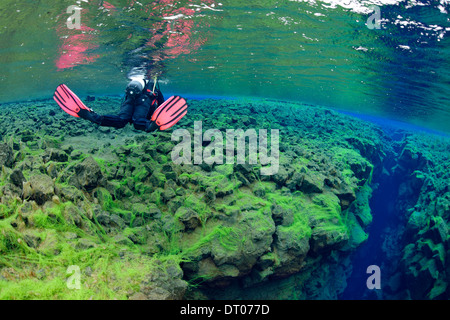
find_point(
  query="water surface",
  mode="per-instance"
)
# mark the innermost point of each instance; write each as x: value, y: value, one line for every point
x: 318, y: 52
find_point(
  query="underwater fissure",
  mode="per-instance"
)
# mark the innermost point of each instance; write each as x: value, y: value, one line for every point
x: 388, y: 212
x: 398, y: 185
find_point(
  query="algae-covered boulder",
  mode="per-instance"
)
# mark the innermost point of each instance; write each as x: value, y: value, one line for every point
x: 291, y: 247
x: 57, y: 155
x: 346, y: 196
x: 32, y: 239
x: 282, y: 176
x: 88, y: 175
x: 17, y: 178
x: 163, y: 283
x: 312, y: 183
x: 188, y: 217
x: 146, y: 211
x: 6, y: 155
x: 233, y: 251
x: 281, y: 215
x: 70, y: 193
x: 327, y: 240
x: 9, y: 191
x: 40, y: 188
x: 72, y: 215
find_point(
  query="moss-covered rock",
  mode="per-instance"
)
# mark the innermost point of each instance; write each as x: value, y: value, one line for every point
x: 17, y: 178
x: 6, y: 155
x: 88, y: 175
x: 40, y: 188
x: 188, y: 217
x: 144, y: 225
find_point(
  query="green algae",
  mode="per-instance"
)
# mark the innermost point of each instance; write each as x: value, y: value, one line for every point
x: 106, y: 265
x: 231, y: 227
x: 55, y: 253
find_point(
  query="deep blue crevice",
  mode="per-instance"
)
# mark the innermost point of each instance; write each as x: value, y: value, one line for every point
x: 386, y: 219
x: 382, y: 206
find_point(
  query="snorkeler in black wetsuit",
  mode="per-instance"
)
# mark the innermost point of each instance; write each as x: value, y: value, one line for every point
x: 137, y: 108
x: 144, y: 108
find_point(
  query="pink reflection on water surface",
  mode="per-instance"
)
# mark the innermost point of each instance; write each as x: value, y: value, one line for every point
x: 172, y: 32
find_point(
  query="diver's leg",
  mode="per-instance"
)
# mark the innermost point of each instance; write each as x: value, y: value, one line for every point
x: 144, y: 125
x: 117, y: 121
x: 141, y: 115
x: 113, y: 121
x: 90, y: 115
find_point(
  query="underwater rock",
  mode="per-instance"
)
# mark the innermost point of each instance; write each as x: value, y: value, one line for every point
x: 225, y: 188
x: 175, y: 203
x: 296, y: 181
x: 242, y: 179
x: 76, y: 154
x: 50, y: 245
x: 88, y: 175
x: 210, y: 195
x: 312, y: 183
x: 438, y: 231
x: 6, y: 155
x: 157, y: 179
x: 368, y: 149
x: 104, y: 197
x: 83, y: 244
x: 291, y: 249
x: 56, y: 155
x: 168, y: 171
x: 146, y: 211
x: 410, y: 159
x: 163, y: 283
x: 10, y: 191
x: 120, y: 239
x: 32, y: 240
x: 40, y: 188
x: 27, y: 135
x: 70, y: 235
x: 17, y: 178
x: 282, y: 176
x: 103, y: 218
x: 52, y: 170
x: 217, y: 276
x: 72, y: 215
x: 67, y: 149
x: 362, y: 170
x: 26, y: 211
x: 70, y: 193
x: 323, y: 240
x: 188, y: 217
x: 282, y: 216
x: 345, y: 195
x: 258, y: 230
x: 168, y: 194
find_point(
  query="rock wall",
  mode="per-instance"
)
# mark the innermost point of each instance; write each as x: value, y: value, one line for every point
x: 141, y: 227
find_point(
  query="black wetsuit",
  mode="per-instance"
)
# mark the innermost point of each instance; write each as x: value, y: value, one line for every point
x: 136, y: 110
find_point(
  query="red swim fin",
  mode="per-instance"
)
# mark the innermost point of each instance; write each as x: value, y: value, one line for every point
x: 68, y: 101
x: 170, y: 112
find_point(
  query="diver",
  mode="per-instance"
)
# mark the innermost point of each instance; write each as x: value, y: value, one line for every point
x: 142, y: 106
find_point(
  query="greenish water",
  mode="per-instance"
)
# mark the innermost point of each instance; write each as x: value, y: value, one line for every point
x: 318, y: 52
